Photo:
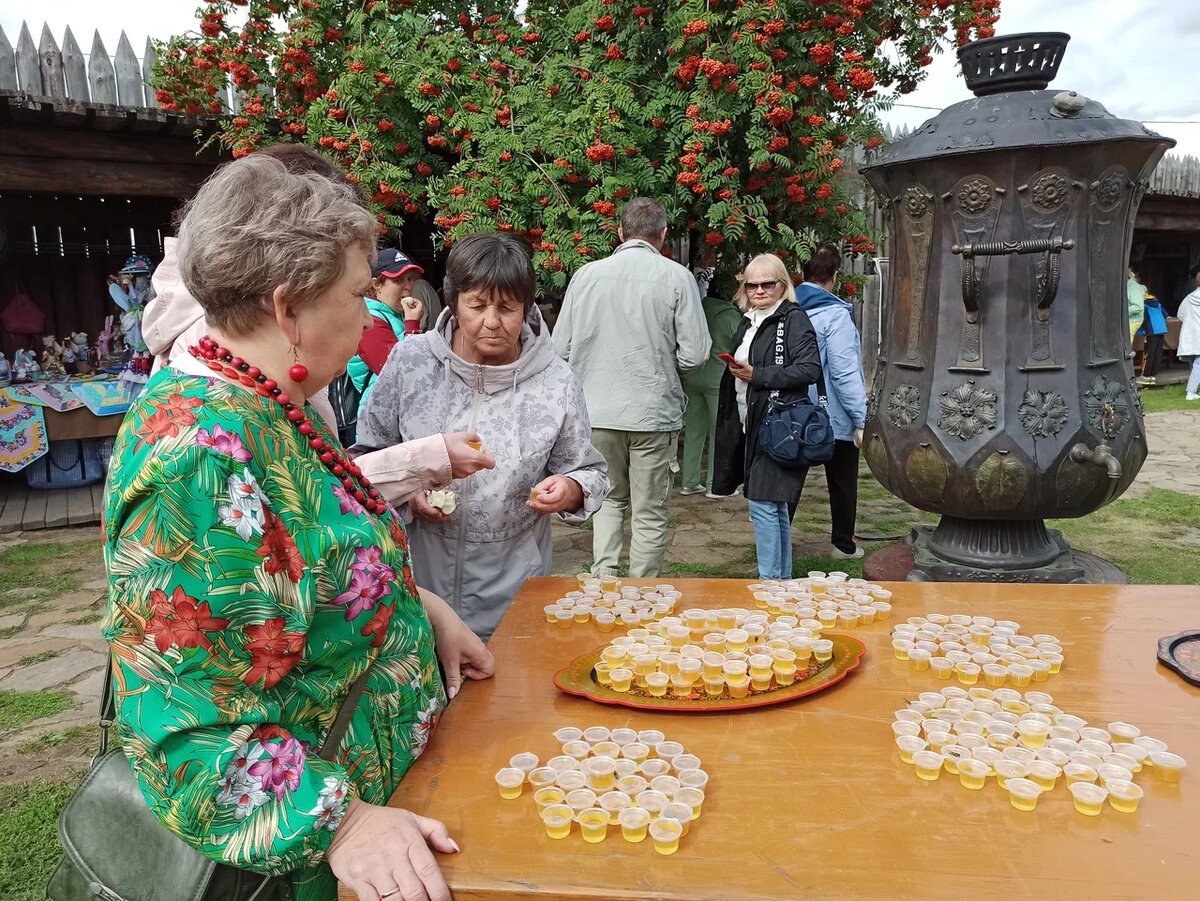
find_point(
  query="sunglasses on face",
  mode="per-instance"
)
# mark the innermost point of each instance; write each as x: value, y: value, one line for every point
x: 755, y: 287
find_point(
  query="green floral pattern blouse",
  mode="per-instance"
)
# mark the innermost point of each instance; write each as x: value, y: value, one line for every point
x: 248, y: 591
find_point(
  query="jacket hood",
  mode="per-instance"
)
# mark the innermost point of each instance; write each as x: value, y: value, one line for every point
x: 173, y: 309
x: 536, y: 354
x: 813, y: 297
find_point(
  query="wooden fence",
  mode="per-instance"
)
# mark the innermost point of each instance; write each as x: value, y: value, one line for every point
x: 48, y: 72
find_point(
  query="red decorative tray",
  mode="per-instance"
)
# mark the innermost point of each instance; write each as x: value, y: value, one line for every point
x: 579, y: 679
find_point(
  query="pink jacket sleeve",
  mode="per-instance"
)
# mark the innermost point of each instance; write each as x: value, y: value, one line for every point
x: 399, y: 472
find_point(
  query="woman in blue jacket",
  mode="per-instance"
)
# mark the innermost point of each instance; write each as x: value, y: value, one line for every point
x: 841, y: 364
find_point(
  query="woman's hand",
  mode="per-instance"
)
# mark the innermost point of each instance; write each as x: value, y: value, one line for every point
x: 556, y: 494
x: 423, y: 510
x: 412, y: 307
x: 378, y: 850
x: 458, y: 648
x: 466, y: 460
x: 741, y: 370
x: 858, y: 437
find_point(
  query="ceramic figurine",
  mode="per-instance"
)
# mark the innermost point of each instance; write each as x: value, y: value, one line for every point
x: 105, y: 339
x: 25, y: 365
x: 5, y: 372
x: 52, y: 357
x: 78, y: 347
x: 130, y: 290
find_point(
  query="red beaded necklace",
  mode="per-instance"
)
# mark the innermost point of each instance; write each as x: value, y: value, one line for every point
x: 220, y: 360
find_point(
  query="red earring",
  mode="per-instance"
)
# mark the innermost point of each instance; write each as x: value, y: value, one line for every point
x: 299, y: 372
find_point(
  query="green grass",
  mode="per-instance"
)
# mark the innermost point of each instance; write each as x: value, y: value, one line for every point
x: 88, y: 736
x: 20, y: 707
x: 801, y: 566
x: 29, y: 848
x: 38, y: 658
x: 1153, y: 538
x: 49, y: 568
x: 1163, y: 400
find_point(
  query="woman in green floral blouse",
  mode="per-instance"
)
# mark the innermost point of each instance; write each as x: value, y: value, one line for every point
x: 255, y: 574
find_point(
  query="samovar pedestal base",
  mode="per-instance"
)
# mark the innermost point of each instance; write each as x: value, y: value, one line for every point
x: 915, y: 560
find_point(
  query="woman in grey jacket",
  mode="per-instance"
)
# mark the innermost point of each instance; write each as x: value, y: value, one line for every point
x: 488, y: 367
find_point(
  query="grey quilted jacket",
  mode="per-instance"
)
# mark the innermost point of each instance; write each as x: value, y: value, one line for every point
x: 531, y: 415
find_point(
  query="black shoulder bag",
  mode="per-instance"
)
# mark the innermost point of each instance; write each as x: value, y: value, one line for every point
x: 799, y: 434
x: 115, y: 849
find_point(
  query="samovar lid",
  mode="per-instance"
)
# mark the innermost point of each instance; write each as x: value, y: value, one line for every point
x: 1011, y: 108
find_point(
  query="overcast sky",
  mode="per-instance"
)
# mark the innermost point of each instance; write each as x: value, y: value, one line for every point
x: 1138, y: 59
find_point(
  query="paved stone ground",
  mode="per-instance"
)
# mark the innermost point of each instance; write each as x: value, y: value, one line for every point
x: 57, y: 646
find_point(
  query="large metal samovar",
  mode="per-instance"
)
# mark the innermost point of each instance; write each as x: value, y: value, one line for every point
x: 1004, y: 393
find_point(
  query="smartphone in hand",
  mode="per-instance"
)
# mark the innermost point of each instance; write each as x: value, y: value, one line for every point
x: 727, y: 359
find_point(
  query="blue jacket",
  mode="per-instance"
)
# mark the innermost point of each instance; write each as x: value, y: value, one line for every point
x: 841, y: 358
x: 1155, y: 322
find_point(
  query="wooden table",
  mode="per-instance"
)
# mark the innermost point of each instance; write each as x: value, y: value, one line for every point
x: 810, y: 800
x: 80, y: 423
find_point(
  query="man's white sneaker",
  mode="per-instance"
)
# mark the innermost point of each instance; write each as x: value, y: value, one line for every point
x: 1191, y: 397
x: 695, y: 489
x: 838, y: 554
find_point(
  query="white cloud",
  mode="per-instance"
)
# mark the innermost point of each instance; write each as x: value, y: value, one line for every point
x: 1136, y: 63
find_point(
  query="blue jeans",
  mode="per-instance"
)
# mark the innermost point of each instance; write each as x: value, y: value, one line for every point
x: 773, y: 538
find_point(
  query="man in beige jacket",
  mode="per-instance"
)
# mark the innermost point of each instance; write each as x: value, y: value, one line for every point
x: 629, y: 325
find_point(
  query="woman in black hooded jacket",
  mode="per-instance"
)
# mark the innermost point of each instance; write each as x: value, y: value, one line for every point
x: 774, y: 328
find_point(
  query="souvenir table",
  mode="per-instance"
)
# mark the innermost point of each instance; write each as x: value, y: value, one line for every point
x: 35, y: 413
x: 809, y: 799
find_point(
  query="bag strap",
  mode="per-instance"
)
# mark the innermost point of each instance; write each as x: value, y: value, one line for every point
x: 780, y: 344
x: 327, y: 751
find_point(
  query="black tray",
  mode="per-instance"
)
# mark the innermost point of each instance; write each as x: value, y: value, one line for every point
x: 1181, y: 653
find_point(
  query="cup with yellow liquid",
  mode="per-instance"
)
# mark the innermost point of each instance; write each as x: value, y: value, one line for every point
x: 1167, y: 767
x: 635, y: 823
x: 1023, y: 794
x: 511, y: 782
x: 665, y: 833
x: 1124, y: 796
x: 558, y: 819
x: 1088, y: 798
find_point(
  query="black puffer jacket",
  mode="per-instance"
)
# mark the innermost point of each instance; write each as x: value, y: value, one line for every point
x: 739, y: 461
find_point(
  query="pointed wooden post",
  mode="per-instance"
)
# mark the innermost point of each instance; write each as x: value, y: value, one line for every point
x: 29, y: 70
x: 51, y: 62
x: 101, y: 76
x: 129, y: 75
x: 148, y: 75
x: 74, y: 68
x: 8, y: 64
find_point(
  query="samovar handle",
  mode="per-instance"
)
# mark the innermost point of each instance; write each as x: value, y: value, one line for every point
x: 1047, y: 286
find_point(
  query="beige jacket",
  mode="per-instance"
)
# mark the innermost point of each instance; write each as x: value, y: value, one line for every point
x: 174, y: 320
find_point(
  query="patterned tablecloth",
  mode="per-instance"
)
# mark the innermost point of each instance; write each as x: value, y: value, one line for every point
x: 23, y: 423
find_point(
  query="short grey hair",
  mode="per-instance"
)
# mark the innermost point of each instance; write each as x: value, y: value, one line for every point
x: 256, y: 225
x: 643, y: 217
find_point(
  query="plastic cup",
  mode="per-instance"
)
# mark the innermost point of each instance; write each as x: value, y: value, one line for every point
x: 564, y: 618
x: 580, y: 749
x: 1153, y: 745
x: 651, y: 801
x: 909, y: 745
x: 635, y: 751
x: 1023, y: 794
x: 614, y: 802
x: 681, y: 763
x: 593, y: 824
x: 942, y: 668
x: 1079, y: 772
x: 901, y: 648
x: 823, y: 650
x: 626, y: 767
x: 542, y: 776
x: 1123, y: 732
x: 1044, y: 774
x: 562, y: 763
x: 1088, y: 798
x: 1111, y: 772
x: 973, y: 773
x: 550, y: 794
x: 1033, y: 733
x: 1020, y: 674
x: 656, y: 684
x: 622, y: 678
x: 525, y: 762
x: 968, y: 673
x: 693, y: 797
x: 681, y: 813
x: 632, y: 784
x: 668, y: 785
x: 665, y: 833
x: 635, y: 823
x: 668, y: 750
x: 571, y: 780
x: 551, y: 612
x: 952, y: 756
x: 1124, y: 796
x: 1167, y: 767
x: 511, y: 783
x: 654, y: 766
x: 1054, y: 756
x: 928, y: 765
x: 1008, y: 769
x: 693, y: 779
x: 623, y: 736
x: 580, y: 800
x: 558, y: 819
x: 601, y: 773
